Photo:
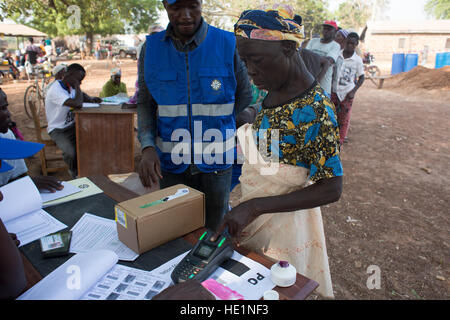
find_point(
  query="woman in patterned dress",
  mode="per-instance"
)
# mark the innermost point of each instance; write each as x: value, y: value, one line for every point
x: 292, y: 164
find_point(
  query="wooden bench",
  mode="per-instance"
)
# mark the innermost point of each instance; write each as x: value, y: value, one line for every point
x: 381, y: 79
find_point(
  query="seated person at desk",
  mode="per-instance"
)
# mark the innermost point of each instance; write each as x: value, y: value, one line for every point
x: 12, y: 274
x: 64, y: 96
x: 58, y: 72
x: 114, y: 85
x: 19, y: 168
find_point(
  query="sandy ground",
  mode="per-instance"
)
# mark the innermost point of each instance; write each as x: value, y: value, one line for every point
x: 394, y: 212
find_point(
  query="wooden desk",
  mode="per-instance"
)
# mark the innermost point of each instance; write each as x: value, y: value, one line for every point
x: 105, y: 140
x: 299, y: 291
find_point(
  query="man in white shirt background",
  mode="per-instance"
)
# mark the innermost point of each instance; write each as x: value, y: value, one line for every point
x: 344, y: 87
x: 18, y: 168
x: 326, y: 47
x: 64, y: 96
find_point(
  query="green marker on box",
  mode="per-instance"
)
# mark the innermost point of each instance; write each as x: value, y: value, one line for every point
x: 179, y: 193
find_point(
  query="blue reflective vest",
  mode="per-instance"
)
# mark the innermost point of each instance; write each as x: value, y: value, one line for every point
x: 195, y: 93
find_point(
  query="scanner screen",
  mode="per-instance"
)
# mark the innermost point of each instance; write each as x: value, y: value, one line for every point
x: 204, y: 251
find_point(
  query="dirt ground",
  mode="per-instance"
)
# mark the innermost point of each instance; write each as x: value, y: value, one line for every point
x: 394, y: 211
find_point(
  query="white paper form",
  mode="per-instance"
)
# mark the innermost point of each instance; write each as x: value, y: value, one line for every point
x: 252, y: 284
x: 66, y: 191
x: 33, y: 226
x: 90, y: 105
x: 87, y: 187
x: 19, y: 197
x: 73, y: 278
x: 118, y: 99
x: 164, y: 271
x: 24, y: 215
x: 125, y: 283
x: 94, y: 233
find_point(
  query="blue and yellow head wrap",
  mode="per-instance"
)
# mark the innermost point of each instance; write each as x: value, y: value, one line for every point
x: 275, y: 23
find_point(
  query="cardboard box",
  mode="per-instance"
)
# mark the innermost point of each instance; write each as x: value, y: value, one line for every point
x: 143, y: 229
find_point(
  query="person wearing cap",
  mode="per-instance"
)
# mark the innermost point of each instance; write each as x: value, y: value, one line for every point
x: 58, y: 72
x: 292, y: 164
x: 114, y: 85
x: 64, y: 96
x: 326, y: 47
x: 191, y: 82
x: 340, y: 37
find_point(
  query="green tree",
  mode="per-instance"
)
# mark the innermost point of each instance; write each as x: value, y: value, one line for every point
x: 224, y: 13
x: 82, y: 17
x: 439, y: 9
x: 353, y: 14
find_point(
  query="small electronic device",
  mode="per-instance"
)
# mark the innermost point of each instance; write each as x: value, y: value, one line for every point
x: 204, y: 258
x: 56, y: 244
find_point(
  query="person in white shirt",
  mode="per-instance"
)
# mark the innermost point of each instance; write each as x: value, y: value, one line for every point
x: 344, y: 88
x: 17, y: 167
x: 326, y: 47
x: 64, y: 96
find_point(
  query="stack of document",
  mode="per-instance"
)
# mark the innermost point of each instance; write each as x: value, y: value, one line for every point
x: 96, y: 275
x: 24, y: 215
x: 92, y: 233
x: 118, y: 99
x: 91, y: 105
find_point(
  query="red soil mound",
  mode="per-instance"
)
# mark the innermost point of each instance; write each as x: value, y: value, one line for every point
x: 422, y: 78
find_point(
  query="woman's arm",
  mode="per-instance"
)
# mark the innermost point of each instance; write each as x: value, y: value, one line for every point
x: 322, y: 192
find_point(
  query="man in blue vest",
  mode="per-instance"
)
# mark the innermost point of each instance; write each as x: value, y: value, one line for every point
x: 192, y: 84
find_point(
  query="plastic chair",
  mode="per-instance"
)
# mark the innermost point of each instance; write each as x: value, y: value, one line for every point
x: 28, y: 69
x: 43, y: 137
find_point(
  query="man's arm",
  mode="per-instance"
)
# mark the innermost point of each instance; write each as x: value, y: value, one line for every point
x: 88, y: 98
x: 149, y: 168
x: 325, y: 63
x: 352, y: 93
x: 146, y: 108
x: 243, y: 96
x: 77, y: 101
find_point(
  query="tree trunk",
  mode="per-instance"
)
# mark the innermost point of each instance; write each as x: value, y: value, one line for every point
x: 90, y: 42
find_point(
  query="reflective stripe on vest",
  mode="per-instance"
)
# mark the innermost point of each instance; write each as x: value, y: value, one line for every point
x: 173, y: 110
x: 219, y: 147
x: 212, y: 110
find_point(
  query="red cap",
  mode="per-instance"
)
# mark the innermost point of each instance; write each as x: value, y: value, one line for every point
x: 331, y: 23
